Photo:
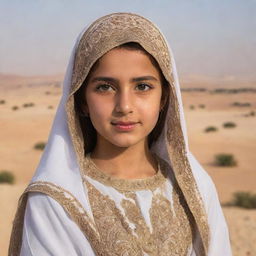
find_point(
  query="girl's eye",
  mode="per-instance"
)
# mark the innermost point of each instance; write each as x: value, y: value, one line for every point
x: 143, y: 87
x: 108, y: 88
x: 104, y: 88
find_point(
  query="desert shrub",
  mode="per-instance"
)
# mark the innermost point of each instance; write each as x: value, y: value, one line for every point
x: 192, y: 107
x: 225, y: 160
x: 252, y: 113
x: 229, y: 125
x: 211, y: 129
x: 241, y: 104
x: 26, y: 105
x: 39, y: 146
x: 194, y: 89
x: 57, y: 84
x: 50, y: 107
x: 201, y: 106
x: 234, y: 90
x: 15, y: 108
x: 2, y: 101
x: 47, y: 92
x: 6, y: 177
x: 244, y: 199
x: 236, y: 104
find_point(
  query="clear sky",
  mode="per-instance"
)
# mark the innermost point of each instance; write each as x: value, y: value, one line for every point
x: 208, y: 37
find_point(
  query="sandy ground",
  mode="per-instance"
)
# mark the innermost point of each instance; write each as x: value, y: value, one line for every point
x: 22, y: 128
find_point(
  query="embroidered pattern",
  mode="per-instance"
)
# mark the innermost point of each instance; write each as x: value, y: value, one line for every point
x: 17, y: 229
x: 172, y: 228
x: 115, y: 233
x: 172, y: 232
x: 90, y: 169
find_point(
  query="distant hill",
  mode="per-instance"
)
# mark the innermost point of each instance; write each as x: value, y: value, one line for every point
x: 15, y: 81
x: 186, y: 81
x: 200, y: 81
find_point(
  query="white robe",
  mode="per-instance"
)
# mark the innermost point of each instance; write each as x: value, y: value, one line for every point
x: 48, y: 230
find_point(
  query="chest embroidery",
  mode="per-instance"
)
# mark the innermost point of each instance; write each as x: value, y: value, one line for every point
x: 171, y: 229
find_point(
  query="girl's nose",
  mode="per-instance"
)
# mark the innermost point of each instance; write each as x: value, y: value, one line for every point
x: 124, y: 103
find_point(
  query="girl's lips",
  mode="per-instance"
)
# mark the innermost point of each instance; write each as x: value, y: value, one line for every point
x: 124, y: 126
x: 123, y: 123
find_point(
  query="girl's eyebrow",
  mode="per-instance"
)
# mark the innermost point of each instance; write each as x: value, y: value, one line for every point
x: 113, y: 80
x: 144, y: 78
x: 104, y: 79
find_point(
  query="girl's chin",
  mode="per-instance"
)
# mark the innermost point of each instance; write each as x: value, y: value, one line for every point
x: 122, y: 141
x: 126, y: 143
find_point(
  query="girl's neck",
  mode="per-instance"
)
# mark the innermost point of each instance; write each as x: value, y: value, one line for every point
x: 134, y: 162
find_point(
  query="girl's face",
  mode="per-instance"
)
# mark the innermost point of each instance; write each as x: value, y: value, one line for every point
x: 123, y: 98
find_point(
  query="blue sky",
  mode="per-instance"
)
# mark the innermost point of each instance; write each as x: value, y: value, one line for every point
x: 208, y: 37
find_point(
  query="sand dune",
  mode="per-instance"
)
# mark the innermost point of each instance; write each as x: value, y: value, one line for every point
x: 22, y: 128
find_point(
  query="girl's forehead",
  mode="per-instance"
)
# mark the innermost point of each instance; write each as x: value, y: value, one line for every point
x: 123, y: 55
x: 125, y: 62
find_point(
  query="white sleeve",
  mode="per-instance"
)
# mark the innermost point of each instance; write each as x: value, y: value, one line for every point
x: 219, y: 243
x: 48, y: 230
x: 219, y: 235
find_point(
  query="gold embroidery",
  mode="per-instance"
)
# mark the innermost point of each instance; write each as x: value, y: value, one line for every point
x: 95, y: 42
x: 144, y: 238
x: 171, y: 224
x: 172, y: 228
x: 172, y: 234
x: 115, y: 233
x: 91, y: 170
x: 17, y: 229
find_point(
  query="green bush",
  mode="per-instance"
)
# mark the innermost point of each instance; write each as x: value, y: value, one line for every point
x: 211, y: 129
x: 225, y: 160
x: 26, y: 105
x: 6, y: 177
x: 39, y: 146
x: 241, y: 104
x: 252, y: 113
x: 229, y: 125
x: 15, y: 108
x: 244, y: 199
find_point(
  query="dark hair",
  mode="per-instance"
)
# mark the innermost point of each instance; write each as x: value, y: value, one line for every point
x: 88, y: 130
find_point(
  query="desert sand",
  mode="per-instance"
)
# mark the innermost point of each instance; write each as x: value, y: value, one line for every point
x: 21, y: 129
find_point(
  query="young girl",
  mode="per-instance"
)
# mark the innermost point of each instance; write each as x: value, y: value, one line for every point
x: 117, y: 176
